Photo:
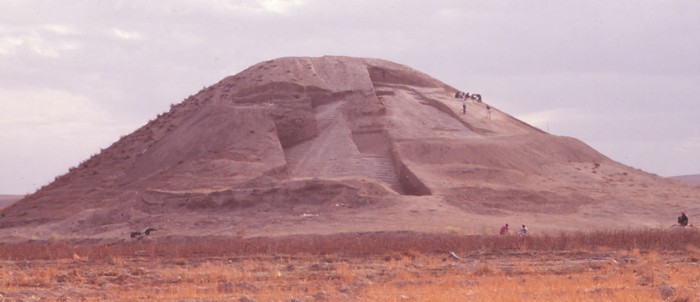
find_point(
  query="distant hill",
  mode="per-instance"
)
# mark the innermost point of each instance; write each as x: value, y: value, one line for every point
x: 341, y: 145
x: 692, y: 179
x: 6, y: 200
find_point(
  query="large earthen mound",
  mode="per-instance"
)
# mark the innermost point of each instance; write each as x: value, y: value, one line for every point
x: 338, y: 144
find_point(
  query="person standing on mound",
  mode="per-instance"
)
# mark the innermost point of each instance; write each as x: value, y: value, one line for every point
x: 683, y: 219
x: 464, y: 106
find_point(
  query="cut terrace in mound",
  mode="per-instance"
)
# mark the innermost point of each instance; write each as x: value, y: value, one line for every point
x: 339, y: 144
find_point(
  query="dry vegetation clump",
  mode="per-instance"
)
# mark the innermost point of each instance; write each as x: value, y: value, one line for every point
x: 599, y: 266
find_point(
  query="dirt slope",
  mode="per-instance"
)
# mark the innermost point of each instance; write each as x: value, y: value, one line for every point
x: 339, y: 144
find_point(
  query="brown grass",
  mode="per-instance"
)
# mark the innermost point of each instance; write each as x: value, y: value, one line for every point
x: 630, y: 265
x: 356, y: 244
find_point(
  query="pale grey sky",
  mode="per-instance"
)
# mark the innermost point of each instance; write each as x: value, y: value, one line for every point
x: 622, y: 76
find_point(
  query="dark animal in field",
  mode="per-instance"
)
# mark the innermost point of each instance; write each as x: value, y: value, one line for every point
x: 146, y: 232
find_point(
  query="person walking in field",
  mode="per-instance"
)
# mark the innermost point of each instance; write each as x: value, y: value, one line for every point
x: 683, y: 219
x: 504, y: 230
x: 522, y: 231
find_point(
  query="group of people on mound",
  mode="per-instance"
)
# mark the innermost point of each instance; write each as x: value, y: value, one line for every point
x: 465, y: 96
x: 521, y: 232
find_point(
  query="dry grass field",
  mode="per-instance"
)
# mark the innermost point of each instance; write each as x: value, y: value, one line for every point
x: 644, y: 265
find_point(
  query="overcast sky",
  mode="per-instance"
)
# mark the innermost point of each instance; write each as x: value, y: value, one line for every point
x: 622, y: 76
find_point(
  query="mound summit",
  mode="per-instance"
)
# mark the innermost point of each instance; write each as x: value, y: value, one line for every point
x: 340, y: 144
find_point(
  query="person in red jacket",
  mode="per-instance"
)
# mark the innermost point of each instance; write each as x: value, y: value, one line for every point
x: 504, y: 230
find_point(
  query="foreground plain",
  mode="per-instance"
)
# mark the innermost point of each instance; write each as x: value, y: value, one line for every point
x: 648, y: 265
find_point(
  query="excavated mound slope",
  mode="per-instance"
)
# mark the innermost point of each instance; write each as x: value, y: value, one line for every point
x: 338, y: 144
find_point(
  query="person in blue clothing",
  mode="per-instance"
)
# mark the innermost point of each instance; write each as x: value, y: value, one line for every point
x: 522, y: 231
